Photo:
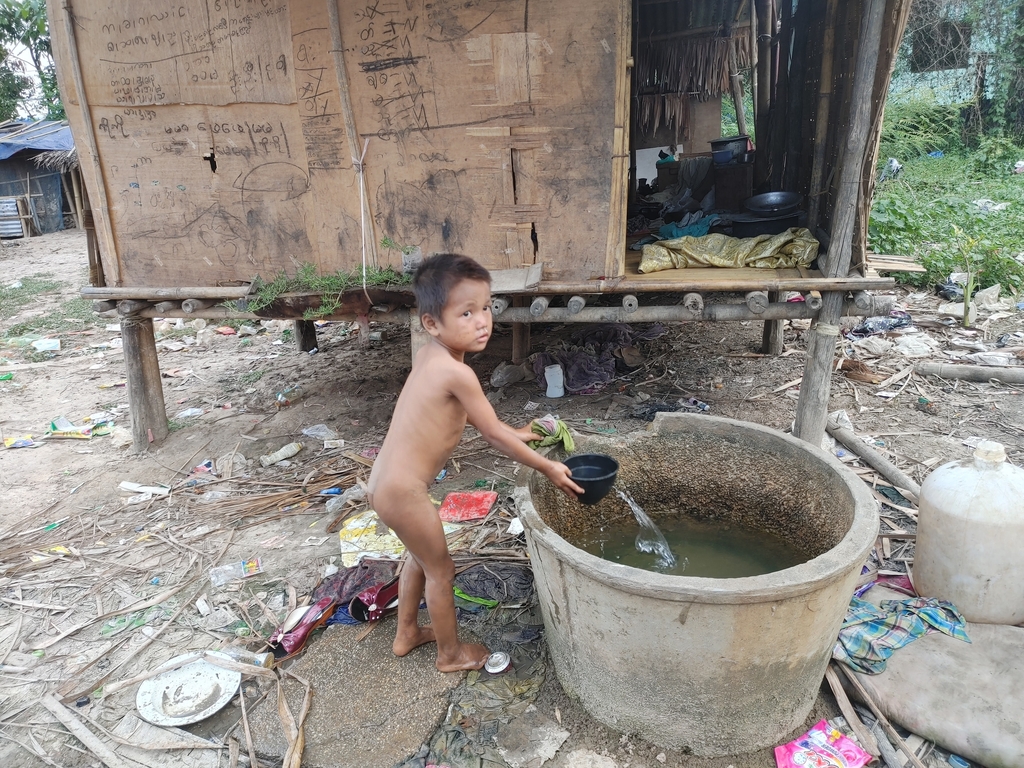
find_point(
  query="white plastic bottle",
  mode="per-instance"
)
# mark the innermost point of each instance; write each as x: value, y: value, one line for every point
x: 970, y: 536
x: 280, y: 454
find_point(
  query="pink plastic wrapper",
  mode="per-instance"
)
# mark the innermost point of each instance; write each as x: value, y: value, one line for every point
x: 821, y: 747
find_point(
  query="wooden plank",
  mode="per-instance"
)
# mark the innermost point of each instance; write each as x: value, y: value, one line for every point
x: 867, y: 741
x: 614, y: 256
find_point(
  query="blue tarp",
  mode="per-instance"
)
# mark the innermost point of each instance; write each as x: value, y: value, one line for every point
x: 43, y: 135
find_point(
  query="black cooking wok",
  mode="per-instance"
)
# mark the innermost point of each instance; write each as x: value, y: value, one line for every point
x: 773, y: 203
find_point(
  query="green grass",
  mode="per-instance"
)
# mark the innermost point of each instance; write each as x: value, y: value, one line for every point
x: 73, y: 315
x: 929, y: 213
x: 12, y: 300
x: 331, y: 286
x: 247, y: 379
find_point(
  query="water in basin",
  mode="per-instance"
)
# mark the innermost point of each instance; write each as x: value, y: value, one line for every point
x: 694, y: 548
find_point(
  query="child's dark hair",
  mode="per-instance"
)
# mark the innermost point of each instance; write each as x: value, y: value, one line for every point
x: 437, y: 275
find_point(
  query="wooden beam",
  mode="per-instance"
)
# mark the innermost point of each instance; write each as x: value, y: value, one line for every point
x: 812, y: 407
x: 145, y: 388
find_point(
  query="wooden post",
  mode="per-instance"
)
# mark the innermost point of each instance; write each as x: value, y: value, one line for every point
x: 736, y: 82
x: 772, y: 338
x: 305, y: 335
x: 145, y: 389
x: 812, y: 407
x: 815, y: 191
x: 764, y: 88
x: 418, y: 338
x: 76, y: 184
x: 520, y: 333
x: 71, y: 199
x: 794, y: 109
x: 90, y: 136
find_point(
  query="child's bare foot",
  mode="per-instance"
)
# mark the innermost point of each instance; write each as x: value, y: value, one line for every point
x: 466, y: 656
x: 406, y: 641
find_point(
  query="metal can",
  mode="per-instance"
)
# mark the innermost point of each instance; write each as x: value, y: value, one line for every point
x: 498, y: 662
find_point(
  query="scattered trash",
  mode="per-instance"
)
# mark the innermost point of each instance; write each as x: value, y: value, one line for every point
x: 957, y: 762
x: 990, y: 206
x: 330, y: 491
x: 441, y: 475
x: 226, y: 330
x: 243, y: 569
x: 189, y: 413
x: 893, y: 168
x: 47, y: 345
x: 366, y: 536
x: 155, y: 490
x: 288, y: 396
x: 285, y: 452
x: 25, y: 441
x: 1018, y: 167
x: 460, y: 506
x: 230, y: 464
x: 897, y: 318
x: 554, y: 377
x: 530, y: 740
x: 371, y: 452
x: 873, y: 345
x: 957, y: 311
x: 821, y: 746
x: 531, y: 406
x: 338, y: 503
x: 189, y: 693
x: 6, y: 376
x: 248, y: 330
x: 329, y: 444
x: 211, y: 496
x: 314, y: 541
x: 950, y: 291
x: 515, y: 527
x: 506, y: 374
x: 61, y: 427
x: 588, y: 357
x: 120, y: 437
x: 915, y: 345
x: 320, y: 432
x: 994, y: 358
x: 204, y: 336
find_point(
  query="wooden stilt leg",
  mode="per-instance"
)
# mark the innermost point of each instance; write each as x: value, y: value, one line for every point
x: 520, y: 333
x: 145, y: 389
x: 305, y: 335
x: 363, y: 321
x: 771, y: 341
x: 812, y: 408
x: 417, y: 336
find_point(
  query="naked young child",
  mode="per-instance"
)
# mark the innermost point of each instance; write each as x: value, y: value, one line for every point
x: 442, y: 395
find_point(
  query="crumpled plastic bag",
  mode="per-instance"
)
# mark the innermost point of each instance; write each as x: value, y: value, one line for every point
x: 795, y: 247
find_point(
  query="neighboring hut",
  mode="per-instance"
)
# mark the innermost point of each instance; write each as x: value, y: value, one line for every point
x: 34, y: 196
x: 233, y: 140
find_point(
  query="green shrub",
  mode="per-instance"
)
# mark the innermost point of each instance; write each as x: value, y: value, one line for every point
x: 917, y: 124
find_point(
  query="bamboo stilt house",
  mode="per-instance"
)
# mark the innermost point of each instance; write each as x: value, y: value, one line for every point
x: 223, y: 140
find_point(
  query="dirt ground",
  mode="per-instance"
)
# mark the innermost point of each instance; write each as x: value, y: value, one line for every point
x: 97, y: 586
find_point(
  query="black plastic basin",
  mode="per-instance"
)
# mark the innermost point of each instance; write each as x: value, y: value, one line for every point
x: 594, y: 473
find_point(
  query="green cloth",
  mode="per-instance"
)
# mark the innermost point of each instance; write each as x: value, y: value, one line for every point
x: 552, y: 432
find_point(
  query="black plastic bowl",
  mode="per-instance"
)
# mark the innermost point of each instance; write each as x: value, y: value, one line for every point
x: 594, y: 473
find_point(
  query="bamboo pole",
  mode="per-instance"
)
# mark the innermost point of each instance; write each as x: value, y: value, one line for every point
x: 90, y: 137
x: 795, y: 107
x: 825, y: 84
x: 105, y: 754
x: 349, y: 118
x: 763, y: 104
x: 812, y: 407
x: 71, y: 199
x: 979, y: 373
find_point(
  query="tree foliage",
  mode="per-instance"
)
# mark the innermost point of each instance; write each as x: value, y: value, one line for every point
x: 25, y: 32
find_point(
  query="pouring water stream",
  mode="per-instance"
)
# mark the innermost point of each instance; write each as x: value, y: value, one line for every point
x: 650, y: 540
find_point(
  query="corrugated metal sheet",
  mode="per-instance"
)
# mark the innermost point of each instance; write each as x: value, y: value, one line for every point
x: 10, y: 219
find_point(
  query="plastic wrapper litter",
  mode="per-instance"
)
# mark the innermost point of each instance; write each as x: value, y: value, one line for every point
x: 795, y: 247
x: 821, y: 747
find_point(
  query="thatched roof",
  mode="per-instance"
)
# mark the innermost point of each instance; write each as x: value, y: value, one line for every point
x: 62, y: 160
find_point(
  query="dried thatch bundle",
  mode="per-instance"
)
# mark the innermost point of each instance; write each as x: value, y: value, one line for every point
x: 670, y: 72
x: 62, y: 160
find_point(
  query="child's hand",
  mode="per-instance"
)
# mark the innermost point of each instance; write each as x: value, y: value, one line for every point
x: 561, y: 476
x: 526, y: 434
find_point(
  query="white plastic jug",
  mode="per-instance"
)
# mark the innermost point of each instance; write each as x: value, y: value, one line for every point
x: 555, y: 378
x: 970, y: 536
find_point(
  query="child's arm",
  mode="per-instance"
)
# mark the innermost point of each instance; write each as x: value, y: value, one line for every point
x: 479, y: 412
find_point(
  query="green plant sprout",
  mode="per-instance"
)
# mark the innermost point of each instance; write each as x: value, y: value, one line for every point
x: 971, y: 260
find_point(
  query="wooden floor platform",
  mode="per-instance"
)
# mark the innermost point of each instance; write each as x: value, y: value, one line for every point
x: 716, y: 279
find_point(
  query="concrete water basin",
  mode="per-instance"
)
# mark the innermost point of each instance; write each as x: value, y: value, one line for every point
x: 714, y: 665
